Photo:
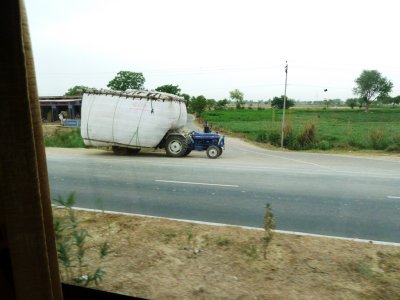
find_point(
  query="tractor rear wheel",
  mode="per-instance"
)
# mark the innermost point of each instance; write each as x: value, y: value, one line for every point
x: 213, y: 151
x: 176, y: 146
x: 187, y: 152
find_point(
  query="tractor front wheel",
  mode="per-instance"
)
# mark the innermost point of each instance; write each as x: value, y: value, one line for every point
x: 176, y: 146
x: 213, y: 151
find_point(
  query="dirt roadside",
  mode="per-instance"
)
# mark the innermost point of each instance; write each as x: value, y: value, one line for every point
x: 164, y: 259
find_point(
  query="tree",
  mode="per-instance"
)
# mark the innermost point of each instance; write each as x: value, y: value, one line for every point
x: 127, y: 80
x: 221, y: 104
x: 352, y: 102
x: 371, y: 86
x: 277, y: 102
x: 198, y: 105
x: 211, y: 104
x: 392, y: 100
x: 238, y: 97
x: 396, y: 100
x: 187, y: 99
x: 77, y: 90
x: 169, y: 88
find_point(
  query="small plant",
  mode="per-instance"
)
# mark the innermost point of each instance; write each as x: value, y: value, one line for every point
x: 269, y: 226
x: 363, y: 269
x: 190, y: 238
x: 71, y: 247
x: 252, y: 252
x: 205, y: 239
x: 222, y: 241
x: 169, y: 236
x: 189, y: 235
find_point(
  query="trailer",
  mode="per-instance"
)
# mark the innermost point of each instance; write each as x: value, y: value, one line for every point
x: 135, y: 119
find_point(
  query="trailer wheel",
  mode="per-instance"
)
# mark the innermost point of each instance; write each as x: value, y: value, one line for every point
x: 176, y: 146
x: 134, y: 151
x: 213, y: 151
x: 120, y: 150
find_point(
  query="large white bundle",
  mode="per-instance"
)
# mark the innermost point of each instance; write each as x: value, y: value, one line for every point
x: 132, y: 118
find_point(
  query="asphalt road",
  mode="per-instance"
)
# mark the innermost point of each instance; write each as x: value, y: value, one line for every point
x: 347, y: 196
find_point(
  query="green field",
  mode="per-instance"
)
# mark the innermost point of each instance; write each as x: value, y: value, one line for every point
x: 322, y: 129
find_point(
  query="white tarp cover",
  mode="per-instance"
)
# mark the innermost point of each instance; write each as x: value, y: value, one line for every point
x: 132, y: 118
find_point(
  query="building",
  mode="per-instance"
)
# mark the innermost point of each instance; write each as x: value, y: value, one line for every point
x: 52, y: 106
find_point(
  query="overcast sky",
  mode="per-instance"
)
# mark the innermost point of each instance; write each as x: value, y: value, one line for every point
x: 211, y: 47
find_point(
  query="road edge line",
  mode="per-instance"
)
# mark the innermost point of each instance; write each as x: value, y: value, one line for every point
x: 238, y: 226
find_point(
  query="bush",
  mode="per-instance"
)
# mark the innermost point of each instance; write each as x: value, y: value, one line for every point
x: 394, y: 144
x: 356, y: 144
x: 278, y: 102
x: 65, y: 139
x: 307, y: 137
x: 289, y: 139
x: 393, y: 148
x: 262, y: 137
x: 292, y: 143
x: 330, y: 138
x: 376, y: 139
x: 274, y: 138
x: 324, y: 145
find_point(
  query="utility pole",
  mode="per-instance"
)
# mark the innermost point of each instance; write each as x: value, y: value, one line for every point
x: 284, y: 105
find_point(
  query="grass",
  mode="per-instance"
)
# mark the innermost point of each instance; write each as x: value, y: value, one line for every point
x: 223, y: 241
x: 334, y: 128
x: 324, y: 129
x: 65, y: 138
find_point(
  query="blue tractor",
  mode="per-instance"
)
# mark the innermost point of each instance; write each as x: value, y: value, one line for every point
x: 179, y: 145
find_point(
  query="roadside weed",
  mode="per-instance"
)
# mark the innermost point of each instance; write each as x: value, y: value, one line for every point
x: 72, y: 249
x: 269, y: 226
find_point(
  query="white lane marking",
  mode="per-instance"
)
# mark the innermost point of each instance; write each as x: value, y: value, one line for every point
x: 285, y: 158
x: 101, y: 175
x: 198, y: 183
x: 393, y: 197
